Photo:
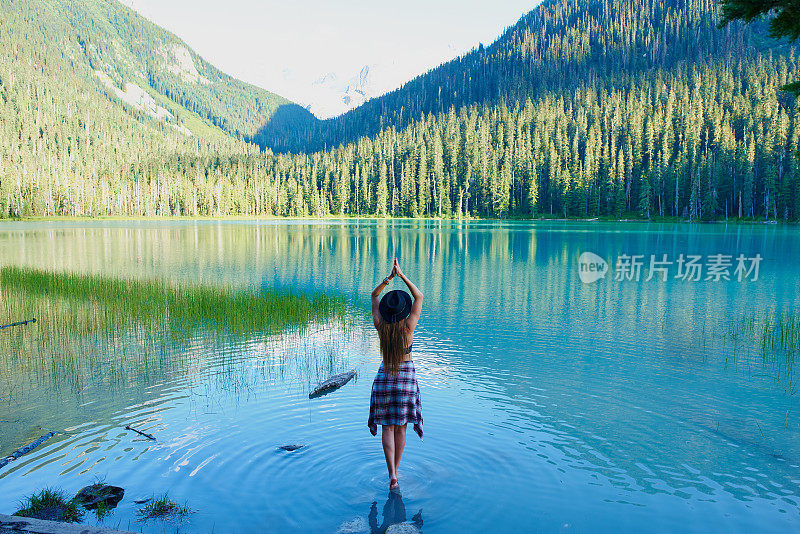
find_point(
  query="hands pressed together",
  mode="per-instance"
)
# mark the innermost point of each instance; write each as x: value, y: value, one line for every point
x: 395, y: 270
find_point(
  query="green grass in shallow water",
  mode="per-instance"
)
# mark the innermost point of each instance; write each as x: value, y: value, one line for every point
x: 121, y: 302
x: 52, y: 505
x: 162, y: 507
x: 771, y: 338
x: 115, y: 332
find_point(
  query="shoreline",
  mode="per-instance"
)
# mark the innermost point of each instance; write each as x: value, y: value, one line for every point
x: 209, y: 218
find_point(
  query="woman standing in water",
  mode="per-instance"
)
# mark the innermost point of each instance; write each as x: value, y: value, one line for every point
x: 395, y: 394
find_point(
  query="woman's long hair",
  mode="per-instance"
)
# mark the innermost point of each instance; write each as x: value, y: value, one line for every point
x: 393, y: 345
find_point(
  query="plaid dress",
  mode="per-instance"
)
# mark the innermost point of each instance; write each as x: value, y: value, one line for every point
x: 395, y: 399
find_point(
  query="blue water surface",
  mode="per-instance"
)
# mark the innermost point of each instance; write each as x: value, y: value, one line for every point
x: 550, y: 404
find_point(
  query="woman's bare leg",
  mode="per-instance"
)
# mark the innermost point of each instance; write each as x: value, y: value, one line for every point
x: 399, y: 445
x: 388, y: 438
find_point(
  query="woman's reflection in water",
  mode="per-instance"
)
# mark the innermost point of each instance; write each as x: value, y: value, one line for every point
x: 394, y: 512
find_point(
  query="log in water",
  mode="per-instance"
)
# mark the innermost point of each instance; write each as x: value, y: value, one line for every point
x: 18, y: 323
x: 331, y: 384
x: 145, y: 434
x: 26, y: 449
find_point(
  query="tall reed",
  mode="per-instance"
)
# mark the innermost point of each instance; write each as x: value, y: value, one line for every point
x: 772, y: 338
x: 94, y: 329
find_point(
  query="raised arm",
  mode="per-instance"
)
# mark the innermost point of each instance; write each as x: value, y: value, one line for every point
x: 416, y: 306
x: 376, y: 293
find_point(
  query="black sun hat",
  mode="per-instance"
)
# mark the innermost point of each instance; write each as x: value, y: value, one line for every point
x: 395, y: 306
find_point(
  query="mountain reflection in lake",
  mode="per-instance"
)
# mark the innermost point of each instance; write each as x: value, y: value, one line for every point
x: 549, y: 403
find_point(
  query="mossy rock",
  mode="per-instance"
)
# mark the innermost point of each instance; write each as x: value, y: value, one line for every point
x: 100, y: 495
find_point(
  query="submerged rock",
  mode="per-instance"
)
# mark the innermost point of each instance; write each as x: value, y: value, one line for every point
x: 100, y: 494
x: 403, y: 528
x: 393, y: 520
x: 358, y: 525
x: 292, y: 447
x: 361, y: 525
x: 331, y: 384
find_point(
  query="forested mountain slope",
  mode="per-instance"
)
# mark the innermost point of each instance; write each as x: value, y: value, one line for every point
x: 142, y: 65
x: 94, y: 98
x: 560, y: 46
x: 583, y: 108
x: 594, y: 108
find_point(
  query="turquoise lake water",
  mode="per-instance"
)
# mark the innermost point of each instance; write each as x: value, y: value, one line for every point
x: 550, y: 404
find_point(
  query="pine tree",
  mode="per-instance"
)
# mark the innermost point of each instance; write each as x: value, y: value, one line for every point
x: 382, y: 195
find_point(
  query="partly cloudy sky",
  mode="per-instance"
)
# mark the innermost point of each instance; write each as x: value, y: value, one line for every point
x: 313, y: 51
